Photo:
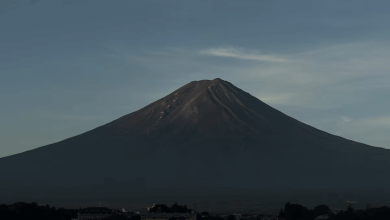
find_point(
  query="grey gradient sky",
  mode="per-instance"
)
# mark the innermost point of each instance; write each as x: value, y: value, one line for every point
x: 69, y: 66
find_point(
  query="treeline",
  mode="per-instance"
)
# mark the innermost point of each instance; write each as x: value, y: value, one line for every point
x: 32, y: 211
x: 22, y: 210
x: 299, y: 212
x: 174, y: 208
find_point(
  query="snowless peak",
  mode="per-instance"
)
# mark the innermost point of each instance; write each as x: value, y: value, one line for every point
x: 216, y: 81
x: 209, y: 135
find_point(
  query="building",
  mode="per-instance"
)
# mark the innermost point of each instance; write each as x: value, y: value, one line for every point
x: 145, y: 215
x: 166, y: 216
x: 94, y: 213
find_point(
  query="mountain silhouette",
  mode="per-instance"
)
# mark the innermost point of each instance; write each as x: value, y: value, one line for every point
x: 206, y: 139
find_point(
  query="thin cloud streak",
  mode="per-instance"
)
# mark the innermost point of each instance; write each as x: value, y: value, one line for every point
x: 369, y: 130
x: 364, y: 124
x: 312, y: 74
x: 382, y: 121
x: 281, y: 99
x: 338, y: 76
x: 242, y: 54
x: 345, y: 119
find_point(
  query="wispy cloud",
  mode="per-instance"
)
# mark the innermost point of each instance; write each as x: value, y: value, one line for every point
x: 301, y: 84
x: 369, y: 130
x: 314, y: 76
x: 381, y: 121
x: 278, y: 99
x: 344, y: 119
x: 239, y: 53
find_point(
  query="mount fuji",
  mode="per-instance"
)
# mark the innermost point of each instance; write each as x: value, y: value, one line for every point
x: 207, y: 142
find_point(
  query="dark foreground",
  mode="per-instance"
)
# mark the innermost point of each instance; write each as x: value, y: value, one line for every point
x: 22, y: 210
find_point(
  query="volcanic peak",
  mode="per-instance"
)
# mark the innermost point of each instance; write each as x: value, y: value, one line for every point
x: 200, y: 106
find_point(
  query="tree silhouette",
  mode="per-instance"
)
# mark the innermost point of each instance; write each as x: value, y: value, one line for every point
x: 281, y: 214
x: 21, y: 210
x: 350, y: 209
x: 136, y: 217
x: 205, y: 213
x: 296, y: 211
x: 381, y: 213
x: 321, y: 210
x: 231, y: 217
x: 116, y: 217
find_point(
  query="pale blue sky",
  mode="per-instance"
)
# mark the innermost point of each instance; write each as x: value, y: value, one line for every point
x: 69, y: 66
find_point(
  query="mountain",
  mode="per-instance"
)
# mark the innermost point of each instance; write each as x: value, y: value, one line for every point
x: 206, y: 140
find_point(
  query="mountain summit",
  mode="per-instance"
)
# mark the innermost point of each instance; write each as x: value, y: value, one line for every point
x: 205, y: 107
x: 206, y: 137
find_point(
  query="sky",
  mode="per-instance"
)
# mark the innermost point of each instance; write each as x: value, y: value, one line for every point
x: 69, y: 66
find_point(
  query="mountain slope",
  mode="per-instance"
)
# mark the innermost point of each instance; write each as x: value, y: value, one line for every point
x: 206, y: 134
